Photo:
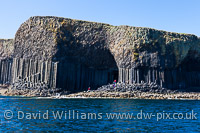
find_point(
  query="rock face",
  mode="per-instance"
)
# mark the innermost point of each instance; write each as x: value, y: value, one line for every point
x: 6, y: 48
x: 169, y: 59
x: 79, y: 48
x: 73, y: 55
x: 6, y: 51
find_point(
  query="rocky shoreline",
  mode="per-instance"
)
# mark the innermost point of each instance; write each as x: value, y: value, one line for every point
x: 136, y: 91
x: 134, y: 95
x: 120, y: 91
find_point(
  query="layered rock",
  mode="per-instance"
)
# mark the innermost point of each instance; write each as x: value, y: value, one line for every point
x: 93, y: 54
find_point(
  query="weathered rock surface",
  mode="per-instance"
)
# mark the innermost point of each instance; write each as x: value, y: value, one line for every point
x: 90, y: 53
x: 6, y: 51
x: 94, y: 54
x: 78, y: 46
x: 57, y: 39
x: 6, y: 48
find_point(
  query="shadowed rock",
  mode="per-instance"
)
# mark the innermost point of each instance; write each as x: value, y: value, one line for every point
x: 74, y: 55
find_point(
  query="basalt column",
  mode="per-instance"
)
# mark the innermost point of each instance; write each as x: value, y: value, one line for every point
x: 142, y: 75
x: 77, y: 77
x: 74, y: 55
x: 168, y: 78
x: 34, y: 72
x: 5, y: 71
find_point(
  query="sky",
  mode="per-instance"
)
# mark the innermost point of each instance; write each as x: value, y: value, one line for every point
x: 182, y: 16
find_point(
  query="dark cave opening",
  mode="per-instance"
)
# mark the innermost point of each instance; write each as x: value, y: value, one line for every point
x: 76, y: 77
x: 78, y: 73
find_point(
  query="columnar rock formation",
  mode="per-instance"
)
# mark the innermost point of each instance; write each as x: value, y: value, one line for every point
x: 5, y: 71
x: 73, y: 55
x: 84, y: 60
x: 34, y: 72
x: 6, y: 49
x: 147, y: 55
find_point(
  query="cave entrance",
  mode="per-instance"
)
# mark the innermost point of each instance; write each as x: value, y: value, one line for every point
x: 113, y: 75
x: 92, y: 69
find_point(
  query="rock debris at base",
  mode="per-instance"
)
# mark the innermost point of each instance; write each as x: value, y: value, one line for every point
x: 143, y: 87
x: 121, y: 91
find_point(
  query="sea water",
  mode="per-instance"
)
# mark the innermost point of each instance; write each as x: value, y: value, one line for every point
x: 98, y: 115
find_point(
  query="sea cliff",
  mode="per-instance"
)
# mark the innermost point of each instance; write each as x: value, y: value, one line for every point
x: 72, y: 55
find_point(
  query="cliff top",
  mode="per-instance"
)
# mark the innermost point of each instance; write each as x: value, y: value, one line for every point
x: 60, y: 19
x: 98, y: 44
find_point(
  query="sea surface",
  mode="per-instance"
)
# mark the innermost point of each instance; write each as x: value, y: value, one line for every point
x: 92, y: 115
